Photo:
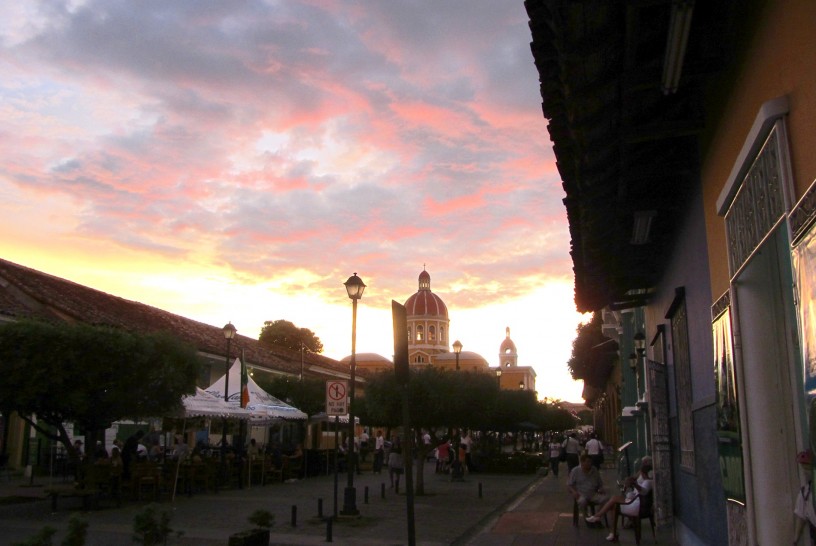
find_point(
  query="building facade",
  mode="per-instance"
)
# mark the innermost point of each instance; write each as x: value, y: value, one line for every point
x: 684, y: 141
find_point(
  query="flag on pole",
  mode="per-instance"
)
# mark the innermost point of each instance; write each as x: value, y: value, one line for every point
x: 244, y: 382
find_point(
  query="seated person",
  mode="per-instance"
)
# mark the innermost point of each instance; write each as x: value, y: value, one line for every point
x: 141, y: 452
x: 154, y: 454
x: 180, y: 450
x: 628, y: 504
x: 803, y: 508
x: 254, y: 450
x: 585, y: 484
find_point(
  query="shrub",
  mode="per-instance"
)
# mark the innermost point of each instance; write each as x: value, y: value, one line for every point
x: 151, y: 527
x: 262, y: 519
x: 43, y: 538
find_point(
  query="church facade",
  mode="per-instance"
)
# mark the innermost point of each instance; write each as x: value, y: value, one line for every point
x: 429, y: 344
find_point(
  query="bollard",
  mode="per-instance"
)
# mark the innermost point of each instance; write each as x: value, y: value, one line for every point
x: 294, y: 515
x: 382, y: 490
x: 329, y: 529
x: 320, y: 508
x: 480, y: 490
x: 365, y: 495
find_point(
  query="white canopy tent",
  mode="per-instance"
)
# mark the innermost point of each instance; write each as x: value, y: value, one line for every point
x: 204, y: 404
x: 262, y: 406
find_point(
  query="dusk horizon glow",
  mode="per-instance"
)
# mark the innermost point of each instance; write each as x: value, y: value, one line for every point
x: 239, y: 161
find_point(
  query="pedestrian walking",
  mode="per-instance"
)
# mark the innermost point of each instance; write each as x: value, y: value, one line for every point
x: 555, y: 454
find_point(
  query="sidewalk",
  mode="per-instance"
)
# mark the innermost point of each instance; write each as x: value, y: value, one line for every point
x: 542, y: 516
x: 517, y: 510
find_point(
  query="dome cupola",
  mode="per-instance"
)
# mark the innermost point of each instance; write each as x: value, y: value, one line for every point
x: 425, y: 303
x: 428, y: 323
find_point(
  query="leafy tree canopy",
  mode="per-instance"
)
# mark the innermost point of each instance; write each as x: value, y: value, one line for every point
x: 90, y: 376
x: 309, y: 395
x: 282, y: 333
x: 589, y: 361
x: 551, y: 416
x: 441, y: 399
x: 437, y: 399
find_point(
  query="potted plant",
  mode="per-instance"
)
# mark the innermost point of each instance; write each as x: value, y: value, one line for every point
x: 259, y: 536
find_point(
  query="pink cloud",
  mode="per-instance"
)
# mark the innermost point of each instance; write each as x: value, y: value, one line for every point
x: 441, y: 120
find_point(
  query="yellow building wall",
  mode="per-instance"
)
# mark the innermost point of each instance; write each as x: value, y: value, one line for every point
x: 780, y: 59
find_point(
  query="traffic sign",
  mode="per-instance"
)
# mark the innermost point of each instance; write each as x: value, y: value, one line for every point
x: 336, y: 397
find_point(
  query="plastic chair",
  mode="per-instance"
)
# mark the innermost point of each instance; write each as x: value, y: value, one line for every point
x: 4, y: 466
x: 591, y: 506
x: 646, y: 512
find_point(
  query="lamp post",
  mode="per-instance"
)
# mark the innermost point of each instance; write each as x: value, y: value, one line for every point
x: 633, y: 362
x: 457, y: 348
x: 229, y: 333
x: 354, y: 287
x: 498, y: 377
x: 521, y: 385
x: 640, y: 348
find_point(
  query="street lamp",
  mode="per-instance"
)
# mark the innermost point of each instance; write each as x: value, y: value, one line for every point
x: 521, y: 385
x: 354, y: 287
x: 498, y: 376
x: 457, y: 348
x: 639, y: 341
x: 640, y: 344
x: 229, y: 333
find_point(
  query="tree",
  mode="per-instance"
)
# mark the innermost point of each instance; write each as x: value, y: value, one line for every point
x: 90, y: 376
x: 282, y: 333
x: 512, y: 408
x: 309, y: 395
x: 586, y: 416
x: 438, y: 400
x: 590, y: 360
x: 551, y: 416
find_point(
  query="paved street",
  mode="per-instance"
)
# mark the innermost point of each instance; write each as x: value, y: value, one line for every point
x: 513, y: 510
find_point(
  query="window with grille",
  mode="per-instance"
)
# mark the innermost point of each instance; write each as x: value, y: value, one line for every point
x: 682, y: 372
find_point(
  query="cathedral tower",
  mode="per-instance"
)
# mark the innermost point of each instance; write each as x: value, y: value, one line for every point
x: 508, y: 355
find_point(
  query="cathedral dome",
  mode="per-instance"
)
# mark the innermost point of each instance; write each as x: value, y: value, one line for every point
x: 424, y: 302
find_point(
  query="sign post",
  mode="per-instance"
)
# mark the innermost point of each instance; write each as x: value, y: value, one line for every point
x: 337, y: 405
x: 399, y: 317
x: 336, y: 397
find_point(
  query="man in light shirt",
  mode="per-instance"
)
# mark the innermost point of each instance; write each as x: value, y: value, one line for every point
x: 594, y: 449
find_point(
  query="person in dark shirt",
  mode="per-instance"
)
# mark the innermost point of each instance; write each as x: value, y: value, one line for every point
x: 129, y: 452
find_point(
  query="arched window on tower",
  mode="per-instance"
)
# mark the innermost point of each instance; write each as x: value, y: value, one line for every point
x: 420, y: 333
x: 431, y: 333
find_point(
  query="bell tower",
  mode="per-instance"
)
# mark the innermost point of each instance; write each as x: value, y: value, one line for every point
x: 508, y: 355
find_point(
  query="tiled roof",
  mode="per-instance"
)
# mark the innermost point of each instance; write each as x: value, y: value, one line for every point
x: 27, y: 293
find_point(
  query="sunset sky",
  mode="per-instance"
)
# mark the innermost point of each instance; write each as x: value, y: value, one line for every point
x: 239, y: 160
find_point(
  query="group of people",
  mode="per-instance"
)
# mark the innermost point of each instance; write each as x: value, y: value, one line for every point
x: 455, y: 455
x: 569, y: 450
x: 452, y: 454
x: 386, y: 454
x: 586, y: 487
